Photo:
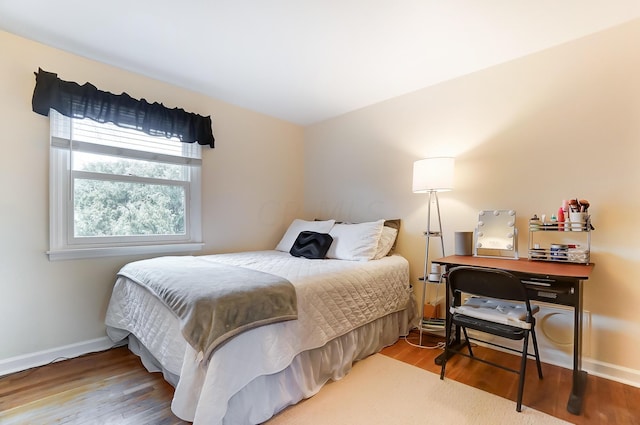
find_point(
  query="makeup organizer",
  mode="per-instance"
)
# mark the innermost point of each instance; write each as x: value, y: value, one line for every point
x: 566, y: 242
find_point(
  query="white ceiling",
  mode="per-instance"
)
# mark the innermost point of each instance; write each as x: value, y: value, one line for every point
x: 308, y: 60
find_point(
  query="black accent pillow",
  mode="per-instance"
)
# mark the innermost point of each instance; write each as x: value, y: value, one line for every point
x: 311, y: 245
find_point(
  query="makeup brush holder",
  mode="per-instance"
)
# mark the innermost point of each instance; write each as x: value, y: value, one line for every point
x: 578, y: 221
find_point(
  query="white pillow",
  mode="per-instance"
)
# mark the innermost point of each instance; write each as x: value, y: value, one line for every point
x: 387, y: 238
x: 298, y: 226
x: 357, y: 242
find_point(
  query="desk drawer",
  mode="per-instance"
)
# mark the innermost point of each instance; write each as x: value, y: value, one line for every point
x: 552, y: 290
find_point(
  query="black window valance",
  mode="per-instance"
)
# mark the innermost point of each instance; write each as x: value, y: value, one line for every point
x: 86, y: 101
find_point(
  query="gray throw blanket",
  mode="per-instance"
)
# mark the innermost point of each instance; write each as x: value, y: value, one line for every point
x: 213, y: 301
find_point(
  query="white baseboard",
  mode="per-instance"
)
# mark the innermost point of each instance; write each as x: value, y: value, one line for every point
x: 560, y: 358
x: 19, y: 363
x: 40, y: 358
x: 612, y: 372
x: 604, y: 370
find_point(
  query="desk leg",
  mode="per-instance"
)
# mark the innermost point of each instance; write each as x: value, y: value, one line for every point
x: 579, y: 384
x: 574, y: 405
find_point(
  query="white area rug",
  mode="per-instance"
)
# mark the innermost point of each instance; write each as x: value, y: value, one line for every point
x: 382, y: 391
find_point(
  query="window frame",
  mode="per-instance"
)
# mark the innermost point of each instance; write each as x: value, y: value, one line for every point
x: 64, y: 245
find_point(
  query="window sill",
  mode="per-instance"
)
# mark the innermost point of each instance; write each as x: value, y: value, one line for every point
x: 80, y: 253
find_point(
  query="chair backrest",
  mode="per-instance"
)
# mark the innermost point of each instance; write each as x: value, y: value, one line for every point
x: 486, y: 282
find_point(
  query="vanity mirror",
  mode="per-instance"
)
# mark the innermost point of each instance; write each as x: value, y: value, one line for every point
x: 496, y: 234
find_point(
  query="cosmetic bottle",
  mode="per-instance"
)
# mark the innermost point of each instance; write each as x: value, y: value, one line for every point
x: 565, y: 210
x: 560, y: 219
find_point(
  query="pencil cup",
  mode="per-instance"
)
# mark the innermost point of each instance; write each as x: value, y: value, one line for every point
x: 578, y: 221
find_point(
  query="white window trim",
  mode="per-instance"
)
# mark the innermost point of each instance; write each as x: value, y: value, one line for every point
x: 62, y: 245
x: 116, y: 251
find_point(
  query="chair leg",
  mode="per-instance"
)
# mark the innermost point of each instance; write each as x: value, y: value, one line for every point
x: 466, y: 341
x: 523, y: 369
x: 444, y: 363
x: 447, y: 341
x: 537, y: 353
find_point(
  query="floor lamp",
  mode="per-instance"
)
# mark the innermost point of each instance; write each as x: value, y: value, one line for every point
x: 432, y: 175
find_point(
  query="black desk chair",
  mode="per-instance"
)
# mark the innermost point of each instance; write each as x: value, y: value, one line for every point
x: 499, y: 306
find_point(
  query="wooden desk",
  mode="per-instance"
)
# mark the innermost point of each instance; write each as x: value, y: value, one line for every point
x: 556, y: 283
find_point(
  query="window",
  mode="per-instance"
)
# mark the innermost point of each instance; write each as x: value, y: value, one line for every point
x: 118, y: 191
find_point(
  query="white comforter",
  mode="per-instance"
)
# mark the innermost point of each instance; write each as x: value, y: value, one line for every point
x: 334, y: 297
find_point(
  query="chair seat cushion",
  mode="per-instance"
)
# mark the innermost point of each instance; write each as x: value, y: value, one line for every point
x: 498, y: 311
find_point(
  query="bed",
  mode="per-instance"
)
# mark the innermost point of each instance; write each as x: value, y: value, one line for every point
x: 346, y: 310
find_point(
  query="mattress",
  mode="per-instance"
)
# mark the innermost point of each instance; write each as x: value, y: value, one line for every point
x: 346, y: 310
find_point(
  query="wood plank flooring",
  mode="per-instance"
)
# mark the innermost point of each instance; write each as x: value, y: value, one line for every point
x: 112, y: 387
x: 605, y: 401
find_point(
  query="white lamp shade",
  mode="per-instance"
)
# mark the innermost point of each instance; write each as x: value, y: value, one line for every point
x: 433, y: 175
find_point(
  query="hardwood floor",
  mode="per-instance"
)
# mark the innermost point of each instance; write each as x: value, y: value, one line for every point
x: 605, y: 401
x: 112, y: 387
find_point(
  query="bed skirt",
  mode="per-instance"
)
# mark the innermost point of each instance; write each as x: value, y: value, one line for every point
x: 267, y: 395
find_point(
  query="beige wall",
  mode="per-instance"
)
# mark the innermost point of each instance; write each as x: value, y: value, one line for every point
x: 252, y: 189
x: 527, y: 134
